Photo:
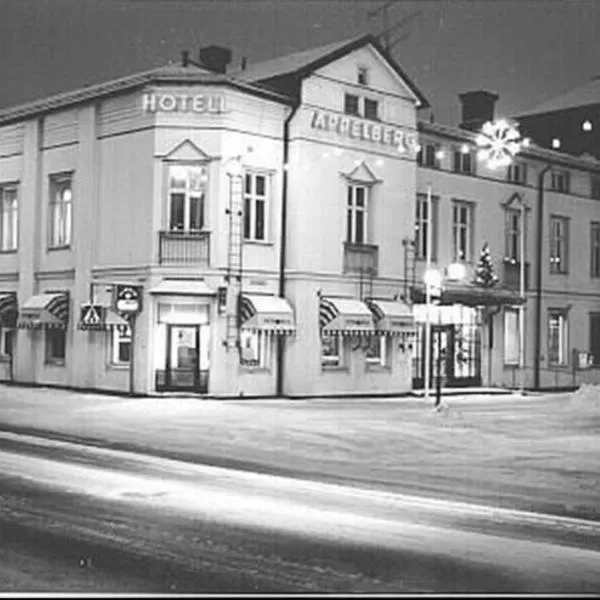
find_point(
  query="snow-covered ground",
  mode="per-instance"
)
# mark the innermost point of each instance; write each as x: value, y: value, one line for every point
x: 537, y: 452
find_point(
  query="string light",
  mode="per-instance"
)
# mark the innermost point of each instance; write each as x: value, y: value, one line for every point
x: 586, y: 125
x: 556, y: 143
x: 499, y: 142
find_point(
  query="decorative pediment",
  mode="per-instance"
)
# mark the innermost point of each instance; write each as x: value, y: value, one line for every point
x: 362, y: 174
x: 515, y: 202
x: 187, y: 151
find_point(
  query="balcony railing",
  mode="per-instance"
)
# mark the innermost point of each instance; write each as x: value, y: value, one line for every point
x: 361, y: 258
x: 512, y: 275
x: 184, y: 247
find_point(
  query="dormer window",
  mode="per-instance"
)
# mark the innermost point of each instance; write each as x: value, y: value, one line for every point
x: 363, y: 75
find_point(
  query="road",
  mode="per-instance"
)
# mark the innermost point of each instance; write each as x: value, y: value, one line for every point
x: 77, y: 518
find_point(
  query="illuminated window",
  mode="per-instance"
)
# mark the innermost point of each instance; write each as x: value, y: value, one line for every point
x: 120, y: 345
x: 511, y: 336
x: 560, y: 181
x: 559, y: 244
x: 255, y: 206
x: 357, y: 214
x: 426, y: 217
x: 377, y: 351
x: 557, y: 337
x: 255, y: 349
x: 8, y: 218
x: 61, y: 211
x: 187, y: 197
x: 331, y: 351
x: 595, y: 249
x: 462, y: 230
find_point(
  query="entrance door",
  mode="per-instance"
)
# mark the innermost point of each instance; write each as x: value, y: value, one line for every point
x: 442, y: 354
x: 182, y: 370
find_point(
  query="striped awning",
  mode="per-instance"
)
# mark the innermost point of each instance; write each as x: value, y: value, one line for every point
x: 9, y: 309
x: 266, y: 313
x: 45, y: 310
x: 345, y: 316
x: 99, y: 317
x: 391, y: 317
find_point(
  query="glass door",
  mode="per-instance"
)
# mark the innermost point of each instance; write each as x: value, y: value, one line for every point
x: 182, y: 370
x: 442, y: 353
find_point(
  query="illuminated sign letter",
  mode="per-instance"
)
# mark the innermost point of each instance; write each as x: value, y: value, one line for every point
x: 149, y: 103
x: 318, y: 121
x: 214, y: 104
x: 355, y: 129
x: 366, y: 131
x: 198, y: 104
x: 167, y: 103
x: 332, y: 121
x: 388, y: 136
x: 376, y: 133
x: 399, y: 140
x: 344, y: 125
x: 183, y: 101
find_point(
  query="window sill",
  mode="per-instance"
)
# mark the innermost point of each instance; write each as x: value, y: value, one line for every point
x: 4, y: 358
x: 511, y: 365
x: 375, y: 368
x: 119, y: 366
x: 560, y: 367
x: 258, y: 243
x: 559, y: 272
x: 55, y: 248
x: 9, y: 251
x: 251, y: 369
x: 56, y: 362
x: 340, y: 368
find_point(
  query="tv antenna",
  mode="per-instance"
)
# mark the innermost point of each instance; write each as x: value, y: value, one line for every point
x: 385, y: 35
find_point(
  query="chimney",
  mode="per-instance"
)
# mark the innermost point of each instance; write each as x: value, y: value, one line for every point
x: 477, y: 108
x: 185, y: 58
x: 244, y: 61
x: 215, y: 58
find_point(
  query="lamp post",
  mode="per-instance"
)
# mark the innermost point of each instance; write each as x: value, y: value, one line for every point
x: 430, y: 282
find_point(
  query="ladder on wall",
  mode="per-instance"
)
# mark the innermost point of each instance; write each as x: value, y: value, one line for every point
x: 235, y: 211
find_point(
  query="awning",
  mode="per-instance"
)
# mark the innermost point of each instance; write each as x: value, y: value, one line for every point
x: 470, y: 295
x: 45, y: 310
x: 346, y: 316
x: 183, y: 287
x: 8, y: 309
x: 266, y: 313
x: 99, y: 317
x: 391, y: 317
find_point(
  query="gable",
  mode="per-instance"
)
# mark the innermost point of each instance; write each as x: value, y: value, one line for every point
x: 187, y: 151
x: 362, y: 173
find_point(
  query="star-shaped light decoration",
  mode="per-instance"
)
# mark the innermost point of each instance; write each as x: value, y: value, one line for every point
x: 498, y: 143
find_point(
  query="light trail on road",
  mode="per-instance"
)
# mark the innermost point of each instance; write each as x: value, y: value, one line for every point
x: 537, y: 553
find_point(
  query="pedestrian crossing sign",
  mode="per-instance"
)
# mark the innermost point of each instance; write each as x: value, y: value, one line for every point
x: 92, y: 317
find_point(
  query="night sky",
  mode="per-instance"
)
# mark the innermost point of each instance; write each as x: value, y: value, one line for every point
x: 525, y: 50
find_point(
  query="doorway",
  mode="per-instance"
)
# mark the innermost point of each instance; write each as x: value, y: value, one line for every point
x: 182, y: 368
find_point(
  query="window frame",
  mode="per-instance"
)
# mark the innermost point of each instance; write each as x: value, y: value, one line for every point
x: 559, y: 246
x: 119, y: 336
x: 262, y: 351
x: 511, y: 352
x: 469, y: 228
x: 595, y: 187
x: 595, y: 249
x: 560, y: 181
x: 333, y: 360
x: 13, y: 213
x: 562, y: 358
x: 50, y: 358
x: 60, y: 212
x: 512, y: 233
x: 431, y: 219
x: 363, y: 75
x: 189, y: 195
x: 381, y: 359
x: 352, y: 211
x: 459, y: 162
x: 347, y: 96
x: 517, y: 172
x: 592, y: 338
x: 253, y: 199
x: 7, y: 337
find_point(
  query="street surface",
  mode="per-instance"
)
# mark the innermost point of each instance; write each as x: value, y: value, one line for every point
x: 76, y: 518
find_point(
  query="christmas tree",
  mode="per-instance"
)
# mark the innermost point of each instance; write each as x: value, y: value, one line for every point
x: 484, y: 272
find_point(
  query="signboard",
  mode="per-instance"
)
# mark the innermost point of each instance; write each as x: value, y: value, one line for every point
x: 362, y: 129
x: 92, y: 317
x: 128, y: 298
x: 183, y: 103
x: 585, y: 360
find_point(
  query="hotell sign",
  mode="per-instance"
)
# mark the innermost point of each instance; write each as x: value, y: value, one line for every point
x: 197, y: 103
x: 365, y: 130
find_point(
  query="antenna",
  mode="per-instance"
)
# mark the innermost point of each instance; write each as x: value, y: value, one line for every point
x: 384, y: 36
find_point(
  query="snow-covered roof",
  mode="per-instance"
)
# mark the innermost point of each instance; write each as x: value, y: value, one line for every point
x: 584, y: 95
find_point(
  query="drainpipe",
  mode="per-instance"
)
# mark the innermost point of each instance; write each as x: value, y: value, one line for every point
x: 538, y: 273
x: 283, y: 241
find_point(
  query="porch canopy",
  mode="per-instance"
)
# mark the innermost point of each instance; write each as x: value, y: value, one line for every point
x: 391, y: 317
x: 345, y: 316
x: 470, y: 295
x: 50, y: 310
x: 266, y: 313
x: 8, y: 309
x: 100, y: 317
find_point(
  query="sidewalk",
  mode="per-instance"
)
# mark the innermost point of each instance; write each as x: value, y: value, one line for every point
x: 520, y: 452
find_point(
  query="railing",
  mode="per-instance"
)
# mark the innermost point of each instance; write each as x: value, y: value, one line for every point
x: 184, y: 247
x: 512, y: 275
x: 361, y: 258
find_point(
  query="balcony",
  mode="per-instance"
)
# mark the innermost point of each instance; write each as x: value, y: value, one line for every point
x: 512, y: 274
x: 184, y: 247
x: 361, y: 258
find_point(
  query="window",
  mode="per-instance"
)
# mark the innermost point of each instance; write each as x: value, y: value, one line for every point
x: 356, y: 222
x: 559, y: 244
x: 595, y: 249
x: 428, y: 156
x: 187, y: 197
x: 8, y: 218
x: 595, y: 338
x: 6, y: 342
x: 121, y: 345
x: 512, y: 234
x: 511, y: 336
x: 55, y: 346
x: 331, y: 351
x: 371, y: 109
x: 425, y: 218
x: 462, y: 230
x: 351, y: 104
x: 595, y: 188
x: 377, y: 351
x: 363, y: 75
x: 255, y: 349
x: 560, y: 181
x: 463, y: 162
x: 557, y: 337
x: 61, y: 211
x: 517, y: 172
x: 255, y: 207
